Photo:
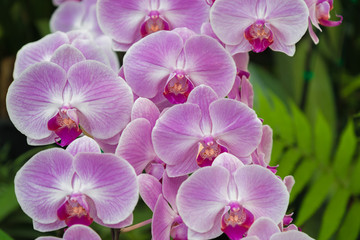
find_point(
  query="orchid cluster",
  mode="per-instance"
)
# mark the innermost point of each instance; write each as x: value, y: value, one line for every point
x: 174, y: 124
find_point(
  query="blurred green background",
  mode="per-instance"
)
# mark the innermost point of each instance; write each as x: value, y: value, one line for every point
x: 312, y: 102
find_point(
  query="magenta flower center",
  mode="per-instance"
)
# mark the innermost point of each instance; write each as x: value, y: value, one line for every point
x: 178, y: 88
x: 323, y: 8
x: 208, y: 151
x: 210, y: 2
x: 72, y: 212
x: 178, y: 229
x: 153, y: 24
x: 236, y: 222
x: 64, y: 127
x: 259, y: 36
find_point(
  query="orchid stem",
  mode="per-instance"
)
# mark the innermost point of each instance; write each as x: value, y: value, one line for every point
x: 115, y: 234
x: 138, y: 225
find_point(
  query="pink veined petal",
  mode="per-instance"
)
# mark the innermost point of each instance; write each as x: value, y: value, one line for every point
x: 66, y: 56
x: 207, y: 30
x: 203, y: 96
x: 121, y: 47
x: 144, y: 108
x: 215, y: 68
x: 242, y: 47
x: 150, y: 189
x: 135, y: 145
x: 38, y: 51
x: 289, y: 182
x: 279, y: 46
x: 41, y: 227
x: 187, y: 166
x: 35, y: 97
x: 163, y: 218
x: 80, y: 232
x: 147, y: 68
x: 121, y: 20
x: 229, y: 19
x: 263, y: 228
x: 185, y: 13
x: 236, y: 126
x: 202, y: 196
x: 83, y: 144
x: 313, y: 34
x: 43, y: 183
x: 177, y: 133
x: 228, y: 161
x: 67, y: 17
x: 44, y: 141
x: 103, y: 99
x: 111, y: 184
x: 291, y: 235
x: 170, y: 187
x: 289, y: 18
x: 93, y: 50
x: 109, y: 145
x: 105, y: 43
x: 241, y: 61
x: 214, y: 232
x: 266, y: 143
x: 261, y: 192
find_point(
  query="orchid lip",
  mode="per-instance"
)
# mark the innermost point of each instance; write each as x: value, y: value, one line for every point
x: 153, y: 24
x: 178, y: 88
x: 208, y: 151
x: 259, y: 36
x: 75, y: 211
x: 236, y: 221
x: 65, y: 125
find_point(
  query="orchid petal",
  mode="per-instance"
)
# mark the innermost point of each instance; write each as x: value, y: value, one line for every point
x: 35, y: 97
x: 263, y: 228
x: 177, y: 133
x: 202, y: 196
x: 291, y: 235
x: 214, y: 68
x: 102, y: 98
x: 135, y: 144
x: 80, y: 232
x: 261, y: 192
x: 38, y: 51
x: 121, y: 19
x: 150, y: 189
x: 43, y: 183
x: 147, y: 68
x: 228, y: 161
x: 83, y: 144
x: 236, y: 126
x: 170, y: 187
x: 67, y: 17
x: 48, y: 227
x: 66, y: 56
x: 111, y: 184
x: 144, y: 108
x: 163, y: 218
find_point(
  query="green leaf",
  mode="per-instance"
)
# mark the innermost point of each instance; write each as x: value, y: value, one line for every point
x: 288, y: 162
x: 302, y: 130
x: 7, y: 200
x: 355, y: 178
x: 345, y: 150
x: 314, y: 197
x: 4, y: 236
x: 277, y: 150
x: 334, y: 213
x: 302, y: 175
x: 323, y: 139
x: 320, y: 94
x: 351, y: 227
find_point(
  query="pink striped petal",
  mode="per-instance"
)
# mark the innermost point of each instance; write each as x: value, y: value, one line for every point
x: 214, y: 68
x: 202, y: 197
x: 35, y: 97
x: 48, y: 227
x: 263, y: 228
x: 147, y: 68
x: 66, y: 56
x: 38, y: 51
x: 80, y: 232
x: 170, y: 187
x: 150, y: 189
x: 103, y: 99
x: 144, y: 108
x: 236, y: 126
x: 83, y: 144
x: 163, y: 218
x: 111, y: 184
x: 43, y: 183
x: 291, y: 235
x: 135, y: 144
x: 261, y: 192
